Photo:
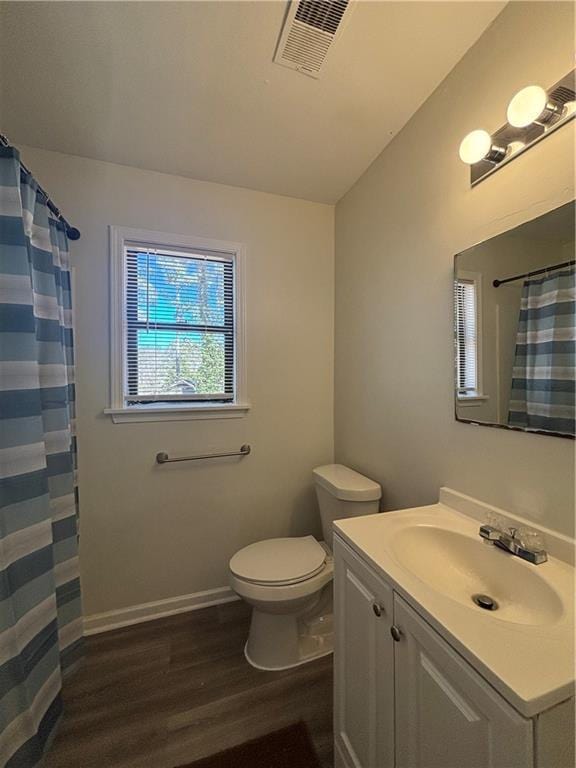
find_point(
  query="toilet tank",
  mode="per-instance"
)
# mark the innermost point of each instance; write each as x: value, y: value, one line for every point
x: 342, y: 492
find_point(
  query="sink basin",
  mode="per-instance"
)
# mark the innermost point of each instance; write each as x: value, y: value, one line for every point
x: 433, y: 557
x: 459, y: 567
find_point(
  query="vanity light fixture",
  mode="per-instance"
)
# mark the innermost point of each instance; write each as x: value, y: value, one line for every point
x: 477, y: 145
x: 532, y: 114
x: 532, y: 105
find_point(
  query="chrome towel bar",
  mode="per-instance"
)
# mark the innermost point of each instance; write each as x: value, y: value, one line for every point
x: 163, y: 458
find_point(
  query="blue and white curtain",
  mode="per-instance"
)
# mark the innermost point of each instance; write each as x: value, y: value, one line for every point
x: 40, y: 612
x: 544, y: 376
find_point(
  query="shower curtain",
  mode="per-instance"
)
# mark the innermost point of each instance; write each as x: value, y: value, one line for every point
x: 543, y: 378
x: 40, y: 612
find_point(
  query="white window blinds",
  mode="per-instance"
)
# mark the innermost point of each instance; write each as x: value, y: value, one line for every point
x: 179, y: 321
x: 465, y: 311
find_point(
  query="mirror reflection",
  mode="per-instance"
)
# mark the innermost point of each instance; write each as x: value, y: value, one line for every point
x: 515, y: 327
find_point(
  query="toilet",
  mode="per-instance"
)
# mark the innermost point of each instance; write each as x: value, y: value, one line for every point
x: 288, y: 581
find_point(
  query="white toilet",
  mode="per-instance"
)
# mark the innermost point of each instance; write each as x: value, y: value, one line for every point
x: 288, y: 582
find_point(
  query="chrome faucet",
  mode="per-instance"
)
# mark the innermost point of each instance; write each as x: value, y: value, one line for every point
x: 510, y: 542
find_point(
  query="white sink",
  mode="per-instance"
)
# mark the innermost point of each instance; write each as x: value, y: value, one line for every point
x: 460, y: 567
x: 435, y: 558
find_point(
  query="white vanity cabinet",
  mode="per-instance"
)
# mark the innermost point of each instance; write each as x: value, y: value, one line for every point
x: 411, y: 701
x: 447, y: 716
x: 364, y: 664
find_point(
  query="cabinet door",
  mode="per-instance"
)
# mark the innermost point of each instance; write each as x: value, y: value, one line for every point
x: 364, y: 664
x: 447, y: 715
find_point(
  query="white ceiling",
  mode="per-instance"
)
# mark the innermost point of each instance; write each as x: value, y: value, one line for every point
x: 190, y: 88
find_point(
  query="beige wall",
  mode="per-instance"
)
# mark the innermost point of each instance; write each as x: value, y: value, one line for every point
x: 396, y: 233
x: 149, y: 532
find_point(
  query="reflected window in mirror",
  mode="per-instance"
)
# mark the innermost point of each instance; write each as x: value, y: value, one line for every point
x: 468, y: 336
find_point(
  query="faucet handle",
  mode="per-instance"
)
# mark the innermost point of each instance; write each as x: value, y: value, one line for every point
x: 532, y: 539
x: 489, y: 533
x: 496, y: 522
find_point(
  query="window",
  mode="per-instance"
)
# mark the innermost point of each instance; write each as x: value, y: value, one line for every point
x: 177, y: 327
x: 467, y: 313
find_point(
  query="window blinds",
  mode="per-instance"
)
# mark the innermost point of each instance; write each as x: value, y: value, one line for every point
x: 466, y: 336
x: 179, y: 321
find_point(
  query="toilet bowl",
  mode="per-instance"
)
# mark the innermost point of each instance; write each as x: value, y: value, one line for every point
x: 288, y: 581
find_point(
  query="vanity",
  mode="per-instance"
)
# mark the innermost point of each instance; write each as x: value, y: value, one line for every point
x: 449, y: 651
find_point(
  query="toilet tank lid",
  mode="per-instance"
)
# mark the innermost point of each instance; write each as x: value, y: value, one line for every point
x: 346, y: 484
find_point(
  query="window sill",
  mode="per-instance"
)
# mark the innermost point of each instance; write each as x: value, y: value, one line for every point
x: 472, y: 400
x: 156, y: 412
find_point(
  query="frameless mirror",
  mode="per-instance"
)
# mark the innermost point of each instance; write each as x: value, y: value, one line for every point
x: 515, y: 328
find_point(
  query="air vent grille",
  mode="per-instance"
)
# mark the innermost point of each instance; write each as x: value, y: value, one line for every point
x: 322, y: 14
x: 309, y: 32
x: 306, y: 47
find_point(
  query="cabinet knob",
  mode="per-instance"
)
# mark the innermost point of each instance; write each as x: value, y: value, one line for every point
x: 396, y: 633
x: 378, y: 610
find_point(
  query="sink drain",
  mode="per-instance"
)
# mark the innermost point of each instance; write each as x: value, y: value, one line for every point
x: 486, y: 602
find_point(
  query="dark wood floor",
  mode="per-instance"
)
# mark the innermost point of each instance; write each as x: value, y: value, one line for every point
x: 165, y: 693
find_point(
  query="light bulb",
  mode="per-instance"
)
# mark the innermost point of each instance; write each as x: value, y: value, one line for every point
x: 475, y: 146
x: 527, y: 106
x: 514, y: 147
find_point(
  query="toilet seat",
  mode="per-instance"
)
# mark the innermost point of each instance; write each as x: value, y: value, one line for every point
x: 279, y: 562
x: 273, y: 594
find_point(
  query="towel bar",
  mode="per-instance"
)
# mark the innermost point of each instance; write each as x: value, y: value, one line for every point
x: 163, y: 458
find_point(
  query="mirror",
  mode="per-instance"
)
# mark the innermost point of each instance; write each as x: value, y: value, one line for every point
x: 515, y: 328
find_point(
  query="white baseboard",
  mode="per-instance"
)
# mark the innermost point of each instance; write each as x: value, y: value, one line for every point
x: 137, y: 614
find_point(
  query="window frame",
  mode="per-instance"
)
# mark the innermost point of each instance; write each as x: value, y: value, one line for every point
x: 477, y: 397
x: 120, y: 409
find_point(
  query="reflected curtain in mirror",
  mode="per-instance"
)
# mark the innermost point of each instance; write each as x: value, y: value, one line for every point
x: 544, y: 377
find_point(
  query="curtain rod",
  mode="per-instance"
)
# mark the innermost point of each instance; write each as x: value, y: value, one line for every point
x: 496, y: 283
x: 72, y: 232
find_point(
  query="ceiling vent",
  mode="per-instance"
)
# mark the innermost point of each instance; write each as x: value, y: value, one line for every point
x: 309, y: 31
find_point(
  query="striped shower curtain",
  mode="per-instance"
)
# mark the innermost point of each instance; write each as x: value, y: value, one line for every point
x: 40, y: 613
x: 543, y: 383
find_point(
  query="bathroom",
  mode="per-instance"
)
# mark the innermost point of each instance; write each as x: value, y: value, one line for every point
x: 336, y: 214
